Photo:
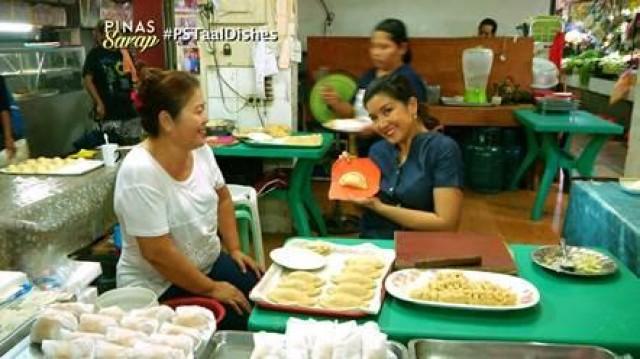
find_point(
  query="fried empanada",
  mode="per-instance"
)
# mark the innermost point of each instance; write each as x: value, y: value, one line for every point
x: 353, y: 179
x: 342, y: 301
x: 305, y: 276
x: 364, y: 270
x: 365, y: 260
x: 290, y: 297
x: 309, y: 288
x: 353, y: 289
x: 354, y: 278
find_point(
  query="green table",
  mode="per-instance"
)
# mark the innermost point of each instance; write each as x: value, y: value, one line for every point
x: 591, y: 311
x: 542, y: 141
x: 299, y: 196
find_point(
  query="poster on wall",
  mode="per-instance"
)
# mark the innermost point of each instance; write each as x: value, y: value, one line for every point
x: 116, y: 11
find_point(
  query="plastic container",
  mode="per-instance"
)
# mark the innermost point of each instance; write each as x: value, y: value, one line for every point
x: 476, y: 68
x: 128, y: 298
x: 545, y: 74
x: 213, y: 305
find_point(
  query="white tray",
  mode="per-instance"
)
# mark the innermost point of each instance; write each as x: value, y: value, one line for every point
x: 77, y: 168
x: 335, y: 262
x: 400, y: 284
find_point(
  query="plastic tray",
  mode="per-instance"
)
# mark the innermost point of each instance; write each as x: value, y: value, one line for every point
x: 235, y: 344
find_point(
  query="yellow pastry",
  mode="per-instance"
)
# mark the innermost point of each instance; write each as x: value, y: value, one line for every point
x: 309, y: 288
x: 306, y: 276
x: 342, y: 301
x: 360, y: 280
x: 290, y: 296
x: 353, y: 179
x: 353, y: 289
x: 320, y: 247
x: 365, y: 260
x: 363, y: 270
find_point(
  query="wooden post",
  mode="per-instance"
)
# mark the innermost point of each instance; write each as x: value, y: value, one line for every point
x: 632, y: 165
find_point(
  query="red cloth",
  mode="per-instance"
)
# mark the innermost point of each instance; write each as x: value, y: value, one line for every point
x: 555, y: 52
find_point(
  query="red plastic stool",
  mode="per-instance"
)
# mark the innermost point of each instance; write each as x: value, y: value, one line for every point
x: 213, y: 305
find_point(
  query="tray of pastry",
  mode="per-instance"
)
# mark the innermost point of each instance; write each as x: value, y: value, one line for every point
x: 79, y: 330
x: 351, y: 284
x: 52, y: 166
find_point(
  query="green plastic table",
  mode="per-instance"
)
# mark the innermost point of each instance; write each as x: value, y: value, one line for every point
x: 542, y: 141
x: 298, y: 195
x: 587, y: 311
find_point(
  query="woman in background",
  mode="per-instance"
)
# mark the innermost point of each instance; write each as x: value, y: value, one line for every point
x: 390, y: 54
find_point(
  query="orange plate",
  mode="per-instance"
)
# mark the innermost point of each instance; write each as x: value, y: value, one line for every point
x: 363, y: 165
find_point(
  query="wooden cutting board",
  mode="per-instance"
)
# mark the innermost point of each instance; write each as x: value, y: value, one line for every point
x: 460, y: 250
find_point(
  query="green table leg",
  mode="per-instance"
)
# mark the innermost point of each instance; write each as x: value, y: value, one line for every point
x: 310, y: 202
x: 587, y: 158
x: 552, y: 155
x: 295, y: 196
x: 533, y: 150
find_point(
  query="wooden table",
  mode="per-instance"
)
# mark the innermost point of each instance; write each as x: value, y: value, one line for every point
x: 494, y: 116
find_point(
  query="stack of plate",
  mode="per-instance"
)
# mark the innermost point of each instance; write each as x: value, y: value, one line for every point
x: 550, y: 104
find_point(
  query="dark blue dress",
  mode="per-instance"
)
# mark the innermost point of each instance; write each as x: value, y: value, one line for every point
x: 434, y: 161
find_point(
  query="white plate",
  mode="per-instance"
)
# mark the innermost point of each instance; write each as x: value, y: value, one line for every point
x: 297, y: 258
x: 630, y: 185
x: 350, y: 125
x: 400, y: 284
x: 259, y: 137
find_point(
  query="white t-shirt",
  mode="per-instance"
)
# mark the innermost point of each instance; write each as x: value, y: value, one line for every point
x: 151, y: 203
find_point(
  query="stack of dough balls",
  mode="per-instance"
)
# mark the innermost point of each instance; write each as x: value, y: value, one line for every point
x: 297, y: 288
x: 355, y: 286
x: 41, y: 165
x: 77, y: 330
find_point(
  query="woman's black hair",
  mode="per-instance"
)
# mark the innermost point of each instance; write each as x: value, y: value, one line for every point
x: 398, y: 33
x: 491, y: 22
x: 399, y: 88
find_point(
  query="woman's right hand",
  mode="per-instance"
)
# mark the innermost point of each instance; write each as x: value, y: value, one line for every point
x: 330, y: 96
x: 228, y: 294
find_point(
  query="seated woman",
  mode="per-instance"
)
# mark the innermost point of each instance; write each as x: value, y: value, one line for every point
x: 171, y: 201
x: 422, y: 174
x: 390, y: 54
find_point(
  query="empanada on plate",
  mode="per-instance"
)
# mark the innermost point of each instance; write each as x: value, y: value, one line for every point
x: 355, y: 290
x: 305, y: 276
x: 342, y: 301
x: 290, y: 296
x: 353, y: 179
x: 367, y: 271
x: 361, y: 280
x: 365, y: 260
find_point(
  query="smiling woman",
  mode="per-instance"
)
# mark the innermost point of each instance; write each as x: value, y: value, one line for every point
x: 421, y: 170
x: 172, y: 201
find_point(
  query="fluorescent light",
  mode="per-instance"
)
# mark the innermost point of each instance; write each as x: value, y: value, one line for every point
x: 15, y: 27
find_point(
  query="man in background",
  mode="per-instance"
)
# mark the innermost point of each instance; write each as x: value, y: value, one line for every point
x: 6, y: 133
x: 487, y: 28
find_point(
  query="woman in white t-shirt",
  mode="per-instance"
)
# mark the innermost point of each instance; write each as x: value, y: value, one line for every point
x: 172, y: 201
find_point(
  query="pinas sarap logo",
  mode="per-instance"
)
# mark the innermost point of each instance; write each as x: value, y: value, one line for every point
x: 126, y: 34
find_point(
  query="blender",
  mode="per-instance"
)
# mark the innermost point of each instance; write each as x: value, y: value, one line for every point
x: 476, y: 67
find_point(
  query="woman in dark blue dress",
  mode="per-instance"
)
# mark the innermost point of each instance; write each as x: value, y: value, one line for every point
x: 422, y: 171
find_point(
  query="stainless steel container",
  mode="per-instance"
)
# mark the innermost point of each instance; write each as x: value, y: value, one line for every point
x: 459, y: 349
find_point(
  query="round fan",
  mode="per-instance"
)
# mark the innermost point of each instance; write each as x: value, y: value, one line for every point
x: 344, y: 86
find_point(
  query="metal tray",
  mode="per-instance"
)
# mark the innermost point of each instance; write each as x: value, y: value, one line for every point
x: 235, y: 344
x: 550, y: 257
x: 459, y: 349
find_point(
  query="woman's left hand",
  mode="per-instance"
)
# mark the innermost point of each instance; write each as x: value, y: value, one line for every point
x: 243, y: 261
x: 370, y: 203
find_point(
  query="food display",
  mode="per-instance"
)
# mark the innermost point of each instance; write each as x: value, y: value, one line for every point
x: 455, y: 287
x: 586, y: 262
x: 71, y: 330
x: 462, y: 289
x: 278, y: 130
x: 349, y: 284
x: 51, y: 166
x: 303, y: 140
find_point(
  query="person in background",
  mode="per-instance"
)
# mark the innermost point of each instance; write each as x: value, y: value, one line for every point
x: 171, y: 201
x: 108, y: 78
x: 487, y: 28
x: 422, y: 170
x: 6, y: 133
x: 390, y: 53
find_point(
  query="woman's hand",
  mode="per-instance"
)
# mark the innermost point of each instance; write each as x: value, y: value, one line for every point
x: 346, y: 156
x: 243, y: 261
x: 230, y: 295
x: 9, y: 146
x: 100, y: 111
x: 370, y: 203
x: 330, y: 96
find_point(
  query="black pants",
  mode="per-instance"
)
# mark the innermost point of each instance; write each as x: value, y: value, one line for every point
x: 226, y: 270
